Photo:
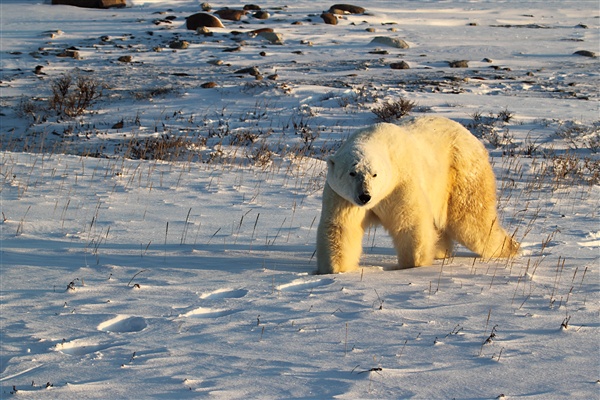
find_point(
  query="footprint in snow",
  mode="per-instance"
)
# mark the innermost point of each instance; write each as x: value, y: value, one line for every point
x: 300, y: 284
x: 224, y: 294
x: 81, y: 347
x: 123, y: 324
x: 203, y: 312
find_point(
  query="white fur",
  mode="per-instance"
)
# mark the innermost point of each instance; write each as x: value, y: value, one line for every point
x: 428, y: 181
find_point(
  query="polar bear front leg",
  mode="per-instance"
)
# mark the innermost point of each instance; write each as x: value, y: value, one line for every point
x: 408, y: 218
x: 339, y: 235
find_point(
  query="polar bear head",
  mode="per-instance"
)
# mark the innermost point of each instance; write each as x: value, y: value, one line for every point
x: 358, y: 177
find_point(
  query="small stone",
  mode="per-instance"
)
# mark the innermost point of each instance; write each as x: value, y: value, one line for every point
x: 204, y: 31
x: 272, y: 37
x: 250, y: 71
x: 200, y: 20
x: 347, y: 8
x: 179, y: 44
x: 209, y: 85
x: 458, y: 64
x: 329, y: 18
x: 125, y: 59
x: 118, y: 125
x: 259, y: 31
x: 261, y: 15
x: 231, y: 15
x: 379, y: 52
x: 585, y: 53
x: 400, y: 65
x: 70, y: 53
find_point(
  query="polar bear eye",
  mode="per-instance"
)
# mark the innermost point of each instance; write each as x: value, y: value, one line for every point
x: 353, y: 174
x: 374, y: 175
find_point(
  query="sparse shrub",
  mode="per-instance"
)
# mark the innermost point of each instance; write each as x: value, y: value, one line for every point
x: 261, y: 155
x: 148, y: 94
x: 530, y: 147
x: 72, y: 95
x: 394, y: 110
x: 166, y: 147
x: 492, y: 129
x: 580, y: 136
x: 30, y: 108
x: 568, y: 168
x: 505, y: 115
x: 243, y: 138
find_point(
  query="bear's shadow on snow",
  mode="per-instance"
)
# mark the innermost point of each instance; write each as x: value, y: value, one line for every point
x: 385, y: 259
x: 213, y: 256
x: 63, y: 254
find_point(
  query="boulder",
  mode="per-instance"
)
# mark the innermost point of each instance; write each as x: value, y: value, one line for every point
x: 200, y: 20
x: 92, y: 3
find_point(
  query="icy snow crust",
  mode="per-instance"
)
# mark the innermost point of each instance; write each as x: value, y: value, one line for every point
x: 191, y: 276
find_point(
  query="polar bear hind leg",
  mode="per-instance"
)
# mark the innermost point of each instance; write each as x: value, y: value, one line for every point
x: 444, y: 246
x: 472, y: 216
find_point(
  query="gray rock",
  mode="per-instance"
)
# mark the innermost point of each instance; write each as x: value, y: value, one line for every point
x: 389, y: 41
x: 272, y: 37
x: 250, y: 71
x: 459, y: 64
x: 179, y: 44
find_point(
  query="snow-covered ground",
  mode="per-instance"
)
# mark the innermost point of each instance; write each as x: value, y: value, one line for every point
x: 161, y: 244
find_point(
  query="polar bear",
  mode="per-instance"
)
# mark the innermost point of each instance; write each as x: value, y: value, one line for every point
x: 428, y: 181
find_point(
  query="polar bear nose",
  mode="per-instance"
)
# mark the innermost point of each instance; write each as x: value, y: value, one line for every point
x: 364, y: 198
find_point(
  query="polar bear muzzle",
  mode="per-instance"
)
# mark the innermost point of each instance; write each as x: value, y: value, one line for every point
x: 364, y: 198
